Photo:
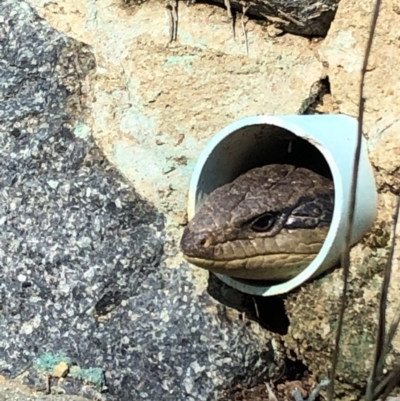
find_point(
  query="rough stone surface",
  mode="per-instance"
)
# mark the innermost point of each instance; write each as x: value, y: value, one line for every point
x: 301, y: 17
x: 83, y: 271
x: 308, y: 18
x: 343, y: 50
x: 313, y: 309
x: 154, y: 107
x: 14, y: 391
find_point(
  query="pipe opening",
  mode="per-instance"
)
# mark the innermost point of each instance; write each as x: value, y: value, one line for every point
x: 256, y: 146
x: 324, y: 144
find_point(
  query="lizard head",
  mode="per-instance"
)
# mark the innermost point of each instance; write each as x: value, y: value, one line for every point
x: 269, y: 223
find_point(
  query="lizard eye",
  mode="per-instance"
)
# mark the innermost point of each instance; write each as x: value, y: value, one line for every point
x: 264, y: 222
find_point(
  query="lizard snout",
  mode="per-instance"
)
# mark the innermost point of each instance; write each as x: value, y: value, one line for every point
x: 197, y: 244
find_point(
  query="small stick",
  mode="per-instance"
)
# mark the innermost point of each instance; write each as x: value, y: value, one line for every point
x: 172, y: 9
x: 394, y: 325
x: 256, y: 308
x: 290, y: 18
x: 380, y: 346
x: 320, y: 386
x: 314, y: 394
x: 271, y: 395
x: 48, y: 384
x: 228, y: 8
x: 168, y: 9
x: 175, y: 16
x: 230, y: 16
x: 345, y: 256
x: 390, y: 381
x: 245, y: 8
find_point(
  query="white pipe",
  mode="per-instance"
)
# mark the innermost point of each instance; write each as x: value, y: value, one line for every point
x: 335, y: 136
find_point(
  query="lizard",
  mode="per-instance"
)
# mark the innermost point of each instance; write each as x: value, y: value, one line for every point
x: 267, y: 224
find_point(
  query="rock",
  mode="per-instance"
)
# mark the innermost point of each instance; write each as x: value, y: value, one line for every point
x: 152, y: 109
x: 308, y: 18
x: 153, y: 122
x: 343, y: 51
x: 84, y: 270
x: 61, y: 369
x: 14, y: 391
x: 313, y: 309
x: 385, y: 153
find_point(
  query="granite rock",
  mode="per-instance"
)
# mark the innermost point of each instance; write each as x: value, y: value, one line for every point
x: 83, y: 272
x: 153, y: 123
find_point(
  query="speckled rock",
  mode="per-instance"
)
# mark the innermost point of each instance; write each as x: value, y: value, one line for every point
x: 343, y: 51
x: 153, y: 122
x: 83, y: 270
x: 313, y: 309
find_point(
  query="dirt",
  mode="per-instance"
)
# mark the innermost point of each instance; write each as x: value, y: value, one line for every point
x: 15, y: 391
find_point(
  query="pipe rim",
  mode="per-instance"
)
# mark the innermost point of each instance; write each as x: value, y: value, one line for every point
x: 317, y: 264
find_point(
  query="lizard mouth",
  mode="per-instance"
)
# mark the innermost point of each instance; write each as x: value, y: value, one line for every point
x: 256, y: 259
x: 253, y: 268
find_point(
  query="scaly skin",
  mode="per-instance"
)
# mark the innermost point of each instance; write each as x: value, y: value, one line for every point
x: 225, y: 237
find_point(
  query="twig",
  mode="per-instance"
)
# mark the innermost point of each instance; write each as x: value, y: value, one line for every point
x: 381, y: 347
x: 228, y: 8
x: 393, y: 326
x: 314, y: 394
x: 394, y: 378
x: 290, y: 18
x: 256, y: 308
x: 245, y: 8
x: 345, y: 256
x: 271, y: 394
x: 48, y: 384
x: 320, y: 386
x: 172, y: 9
x: 230, y: 16
x: 274, y: 20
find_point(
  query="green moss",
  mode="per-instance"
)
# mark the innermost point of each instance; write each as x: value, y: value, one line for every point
x: 93, y: 376
x: 46, y: 363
